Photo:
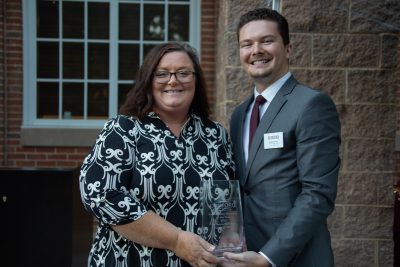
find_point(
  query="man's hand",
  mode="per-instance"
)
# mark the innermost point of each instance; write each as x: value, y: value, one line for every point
x: 245, y: 259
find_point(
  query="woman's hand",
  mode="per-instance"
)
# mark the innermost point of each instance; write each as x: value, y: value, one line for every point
x: 195, y: 250
x: 153, y: 231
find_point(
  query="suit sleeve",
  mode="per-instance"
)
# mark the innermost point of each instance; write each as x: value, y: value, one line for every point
x: 318, y: 162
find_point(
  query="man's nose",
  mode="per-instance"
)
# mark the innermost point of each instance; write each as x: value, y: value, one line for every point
x: 256, y: 48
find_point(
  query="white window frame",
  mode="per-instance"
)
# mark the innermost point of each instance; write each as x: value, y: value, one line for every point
x: 276, y: 5
x: 29, y: 57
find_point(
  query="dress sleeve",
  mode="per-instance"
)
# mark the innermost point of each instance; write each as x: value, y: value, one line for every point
x: 231, y: 162
x: 106, y: 174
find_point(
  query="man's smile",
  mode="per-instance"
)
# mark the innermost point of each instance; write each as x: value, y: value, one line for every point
x: 259, y: 62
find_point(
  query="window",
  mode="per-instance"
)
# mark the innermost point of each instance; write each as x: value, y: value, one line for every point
x: 80, y: 56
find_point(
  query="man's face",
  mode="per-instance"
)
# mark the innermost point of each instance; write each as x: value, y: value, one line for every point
x: 262, y: 52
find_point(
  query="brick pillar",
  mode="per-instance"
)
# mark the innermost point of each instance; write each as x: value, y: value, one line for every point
x: 232, y: 84
x: 208, y: 43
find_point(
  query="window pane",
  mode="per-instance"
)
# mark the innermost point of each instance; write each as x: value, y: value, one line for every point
x: 73, y: 19
x: 97, y: 101
x: 98, y: 18
x: 47, y: 60
x: 178, y: 23
x: 128, y: 61
x: 73, y: 60
x: 98, y: 61
x: 47, y: 18
x: 129, y: 21
x: 73, y: 100
x: 72, y: 54
x: 147, y: 48
x: 153, y: 26
x: 123, y: 89
x: 47, y: 100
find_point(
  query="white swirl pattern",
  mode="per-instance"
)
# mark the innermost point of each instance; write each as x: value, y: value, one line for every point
x: 137, y: 166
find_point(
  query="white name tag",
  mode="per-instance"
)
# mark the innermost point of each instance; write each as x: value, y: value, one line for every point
x: 273, y: 140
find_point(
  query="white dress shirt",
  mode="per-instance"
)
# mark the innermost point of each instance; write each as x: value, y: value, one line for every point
x: 269, y: 94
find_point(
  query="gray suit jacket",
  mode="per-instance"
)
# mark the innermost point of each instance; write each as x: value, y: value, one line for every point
x: 290, y: 191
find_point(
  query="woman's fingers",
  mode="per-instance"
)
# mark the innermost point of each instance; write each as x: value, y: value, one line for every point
x: 195, y: 250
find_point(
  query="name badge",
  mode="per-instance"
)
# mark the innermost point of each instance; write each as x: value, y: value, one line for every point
x: 273, y: 140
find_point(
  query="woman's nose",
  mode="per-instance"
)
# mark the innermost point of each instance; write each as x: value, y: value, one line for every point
x: 172, y: 80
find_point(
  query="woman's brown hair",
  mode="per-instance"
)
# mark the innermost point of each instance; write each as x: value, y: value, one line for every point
x: 139, y: 100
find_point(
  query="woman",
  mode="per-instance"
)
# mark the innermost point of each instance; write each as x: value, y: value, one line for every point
x: 141, y: 179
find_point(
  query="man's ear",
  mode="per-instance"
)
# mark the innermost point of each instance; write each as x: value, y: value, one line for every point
x: 288, y: 50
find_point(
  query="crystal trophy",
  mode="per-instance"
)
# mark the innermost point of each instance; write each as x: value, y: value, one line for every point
x: 221, y: 215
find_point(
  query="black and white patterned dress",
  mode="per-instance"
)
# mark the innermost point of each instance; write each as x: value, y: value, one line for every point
x: 137, y: 166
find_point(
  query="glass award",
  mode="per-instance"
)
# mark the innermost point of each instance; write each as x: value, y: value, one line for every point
x: 221, y: 215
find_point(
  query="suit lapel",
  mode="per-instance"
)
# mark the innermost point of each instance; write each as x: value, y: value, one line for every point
x: 265, y: 123
x: 240, y: 151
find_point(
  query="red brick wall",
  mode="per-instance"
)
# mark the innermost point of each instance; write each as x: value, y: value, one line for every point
x: 12, y: 154
x: 2, y: 106
x: 397, y: 101
x: 208, y: 45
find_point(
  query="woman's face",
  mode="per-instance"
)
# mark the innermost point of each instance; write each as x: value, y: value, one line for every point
x: 173, y: 93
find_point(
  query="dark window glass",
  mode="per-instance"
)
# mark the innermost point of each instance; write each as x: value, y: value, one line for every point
x: 73, y: 19
x: 47, y: 19
x: 98, y: 61
x: 73, y: 60
x: 86, y: 60
x: 147, y: 48
x: 73, y: 97
x: 47, y: 60
x: 153, y: 26
x: 129, y: 21
x: 128, y: 61
x: 123, y: 90
x: 178, y: 24
x: 97, y: 101
x: 98, y: 17
x: 47, y: 100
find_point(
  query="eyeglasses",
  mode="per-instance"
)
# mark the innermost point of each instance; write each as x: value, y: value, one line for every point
x: 183, y: 76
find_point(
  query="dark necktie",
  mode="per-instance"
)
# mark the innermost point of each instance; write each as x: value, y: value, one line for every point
x: 255, y: 117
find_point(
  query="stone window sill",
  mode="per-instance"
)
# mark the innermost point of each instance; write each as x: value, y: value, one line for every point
x: 52, y: 137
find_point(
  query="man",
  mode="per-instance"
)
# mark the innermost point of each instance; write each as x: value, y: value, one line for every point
x: 289, y: 171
